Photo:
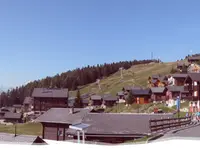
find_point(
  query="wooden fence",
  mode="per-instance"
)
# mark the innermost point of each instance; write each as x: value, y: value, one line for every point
x: 157, y: 125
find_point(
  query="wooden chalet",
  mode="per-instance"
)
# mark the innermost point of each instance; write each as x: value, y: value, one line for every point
x: 141, y: 96
x: 13, y: 117
x: 27, y: 104
x: 110, y: 101
x: 56, y: 122
x: 179, y: 79
x: 108, y: 127
x: 96, y: 100
x: 192, y: 84
x: 174, y: 91
x: 158, y: 93
x: 44, y: 99
x: 194, y: 59
x: 158, y: 80
x: 104, y: 127
x: 120, y: 95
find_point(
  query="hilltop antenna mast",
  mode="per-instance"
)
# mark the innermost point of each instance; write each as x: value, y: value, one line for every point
x: 98, y: 82
x: 151, y: 55
x: 121, y: 71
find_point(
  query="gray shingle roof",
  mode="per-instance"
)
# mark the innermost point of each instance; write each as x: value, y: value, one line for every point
x: 158, y: 89
x: 119, y: 124
x: 141, y: 92
x: 121, y: 93
x: 55, y: 93
x: 11, y: 115
x: 179, y: 75
x: 96, y: 97
x: 28, y: 100
x: 194, y: 76
x: 63, y: 115
x: 194, y: 58
x: 131, y: 87
x: 175, y: 88
x: 26, y: 139
x: 110, y: 98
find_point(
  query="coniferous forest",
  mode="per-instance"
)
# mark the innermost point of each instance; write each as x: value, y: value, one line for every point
x: 71, y: 79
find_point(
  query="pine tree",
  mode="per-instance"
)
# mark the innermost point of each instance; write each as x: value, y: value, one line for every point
x: 78, y: 102
x: 129, y: 99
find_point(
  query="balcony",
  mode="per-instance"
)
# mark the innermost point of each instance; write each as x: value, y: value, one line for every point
x: 188, y: 87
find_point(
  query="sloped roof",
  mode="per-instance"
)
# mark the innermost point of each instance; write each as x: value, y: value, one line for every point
x: 11, y: 115
x: 17, y: 106
x: 25, y: 139
x: 175, y: 88
x: 96, y: 97
x: 121, y: 93
x: 179, y: 75
x: 110, y: 98
x: 158, y: 89
x: 119, y: 124
x: 53, y: 93
x: 194, y: 58
x: 194, y: 76
x: 63, y: 115
x: 141, y: 91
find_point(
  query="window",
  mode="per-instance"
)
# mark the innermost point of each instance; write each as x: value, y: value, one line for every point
x: 60, y: 133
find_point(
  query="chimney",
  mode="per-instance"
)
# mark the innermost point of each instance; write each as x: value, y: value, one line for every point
x: 71, y: 110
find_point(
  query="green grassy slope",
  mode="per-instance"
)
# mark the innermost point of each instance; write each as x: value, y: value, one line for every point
x: 114, y: 83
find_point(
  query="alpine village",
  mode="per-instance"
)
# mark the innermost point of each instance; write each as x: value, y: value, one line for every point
x: 111, y: 103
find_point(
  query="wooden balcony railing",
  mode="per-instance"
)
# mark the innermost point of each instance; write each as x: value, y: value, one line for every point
x: 167, y: 124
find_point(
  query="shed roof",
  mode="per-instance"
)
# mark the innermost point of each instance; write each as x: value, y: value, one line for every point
x: 11, y: 115
x: 110, y: 98
x: 63, y: 115
x: 26, y: 139
x: 96, y: 97
x: 158, y: 89
x: 175, y: 88
x: 141, y: 91
x: 111, y: 123
x: 194, y: 76
x: 55, y: 93
x: 194, y: 58
x: 179, y: 75
x: 120, y: 93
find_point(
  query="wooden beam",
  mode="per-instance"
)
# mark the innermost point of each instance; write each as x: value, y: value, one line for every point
x: 64, y: 134
x: 43, y: 128
x: 57, y: 132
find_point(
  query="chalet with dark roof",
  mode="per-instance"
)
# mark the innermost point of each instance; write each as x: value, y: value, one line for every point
x: 116, y: 128
x: 158, y: 93
x: 96, y: 100
x: 110, y: 101
x: 141, y: 96
x: 174, y: 91
x: 13, y: 117
x: 56, y: 121
x: 179, y: 79
x: 44, y: 99
x: 104, y: 127
x: 120, y: 95
x: 194, y: 59
x: 192, y: 84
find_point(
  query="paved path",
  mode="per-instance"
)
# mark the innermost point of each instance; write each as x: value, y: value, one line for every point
x: 190, y: 132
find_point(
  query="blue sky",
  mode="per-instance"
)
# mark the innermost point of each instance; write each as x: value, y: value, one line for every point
x: 44, y: 37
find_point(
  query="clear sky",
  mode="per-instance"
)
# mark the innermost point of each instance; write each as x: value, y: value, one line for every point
x: 40, y: 38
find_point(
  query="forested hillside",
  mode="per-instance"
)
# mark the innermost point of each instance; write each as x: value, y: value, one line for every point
x: 71, y: 79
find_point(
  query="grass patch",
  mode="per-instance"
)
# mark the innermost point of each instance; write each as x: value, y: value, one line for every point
x: 27, y: 129
x: 144, y: 139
